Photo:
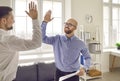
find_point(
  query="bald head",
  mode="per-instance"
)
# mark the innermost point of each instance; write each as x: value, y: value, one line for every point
x: 70, y: 27
x: 72, y: 21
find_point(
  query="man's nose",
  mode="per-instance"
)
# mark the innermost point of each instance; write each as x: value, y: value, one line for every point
x: 13, y: 21
x: 66, y: 25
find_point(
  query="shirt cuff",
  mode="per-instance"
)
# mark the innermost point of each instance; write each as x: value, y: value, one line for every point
x: 44, y: 22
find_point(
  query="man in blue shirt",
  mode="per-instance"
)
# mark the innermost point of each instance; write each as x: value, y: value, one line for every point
x: 67, y: 49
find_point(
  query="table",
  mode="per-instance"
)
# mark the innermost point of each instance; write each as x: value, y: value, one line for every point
x: 115, y: 53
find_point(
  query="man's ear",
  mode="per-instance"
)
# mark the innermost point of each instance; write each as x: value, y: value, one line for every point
x: 75, y: 28
x: 3, y: 20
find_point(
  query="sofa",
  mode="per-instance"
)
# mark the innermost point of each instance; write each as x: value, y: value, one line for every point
x: 36, y: 72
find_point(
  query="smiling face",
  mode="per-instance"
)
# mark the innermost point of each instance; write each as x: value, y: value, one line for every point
x: 70, y: 26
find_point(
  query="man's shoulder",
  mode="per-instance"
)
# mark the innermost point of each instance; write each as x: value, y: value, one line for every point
x: 78, y: 40
x: 11, y: 37
x: 60, y: 37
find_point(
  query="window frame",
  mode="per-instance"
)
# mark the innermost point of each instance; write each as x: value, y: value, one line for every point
x: 39, y: 51
x: 110, y: 5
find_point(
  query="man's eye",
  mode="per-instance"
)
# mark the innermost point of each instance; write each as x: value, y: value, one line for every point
x: 70, y: 24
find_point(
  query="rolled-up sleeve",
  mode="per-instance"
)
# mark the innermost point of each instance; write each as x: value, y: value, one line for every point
x: 87, y: 58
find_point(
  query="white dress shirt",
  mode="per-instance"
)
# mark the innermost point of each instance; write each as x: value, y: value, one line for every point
x: 9, y: 47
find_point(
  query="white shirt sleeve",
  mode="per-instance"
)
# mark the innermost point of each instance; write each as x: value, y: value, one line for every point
x: 18, y: 44
x: 68, y: 76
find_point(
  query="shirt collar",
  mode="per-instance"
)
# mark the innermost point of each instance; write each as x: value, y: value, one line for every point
x: 66, y: 38
x: 3, y: 32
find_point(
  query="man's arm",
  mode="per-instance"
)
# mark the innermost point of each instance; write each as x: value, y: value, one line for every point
x: 87, y: 63
x: 45, y: 38
x: 87, y: 58
x: 18, y: 44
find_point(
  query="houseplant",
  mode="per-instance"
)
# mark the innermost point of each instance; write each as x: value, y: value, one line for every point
x: 118, y: 45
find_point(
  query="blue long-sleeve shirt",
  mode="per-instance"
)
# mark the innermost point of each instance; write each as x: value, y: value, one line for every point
x: 67, y: 51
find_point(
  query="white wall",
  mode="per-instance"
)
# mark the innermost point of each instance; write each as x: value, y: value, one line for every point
x: 5, y: 2
x: 81, y: 8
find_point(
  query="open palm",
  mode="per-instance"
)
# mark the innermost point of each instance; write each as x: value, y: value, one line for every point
x: 33, y: 13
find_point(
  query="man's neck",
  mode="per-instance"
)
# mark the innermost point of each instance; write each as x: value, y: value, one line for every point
x: 69, y: 35
x: 3, y: 28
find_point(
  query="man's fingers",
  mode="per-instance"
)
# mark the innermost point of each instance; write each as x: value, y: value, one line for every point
x: 35, y: 7
x: 32, y: 5
x: 29, y: 6
x: 49, y: 11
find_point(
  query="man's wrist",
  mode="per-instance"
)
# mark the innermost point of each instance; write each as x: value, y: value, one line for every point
x: 34, y: 18
x: 86, y: 70
x: 45, y: 21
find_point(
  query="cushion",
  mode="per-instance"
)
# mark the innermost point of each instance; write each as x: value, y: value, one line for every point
x: 46, y: 71
x: 27, y: 73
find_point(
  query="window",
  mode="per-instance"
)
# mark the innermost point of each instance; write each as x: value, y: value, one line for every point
x: 116, y: 1
x: 56, y: 24
x: 105, y: 0
x: 23, y: 26
x: 111, y: 22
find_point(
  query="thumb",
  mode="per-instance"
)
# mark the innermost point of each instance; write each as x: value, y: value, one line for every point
x: 52, y: 19
x: 27, y: 13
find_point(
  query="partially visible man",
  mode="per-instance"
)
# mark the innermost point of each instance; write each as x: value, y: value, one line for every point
x: 67, y: 49
x: 10, y: 44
